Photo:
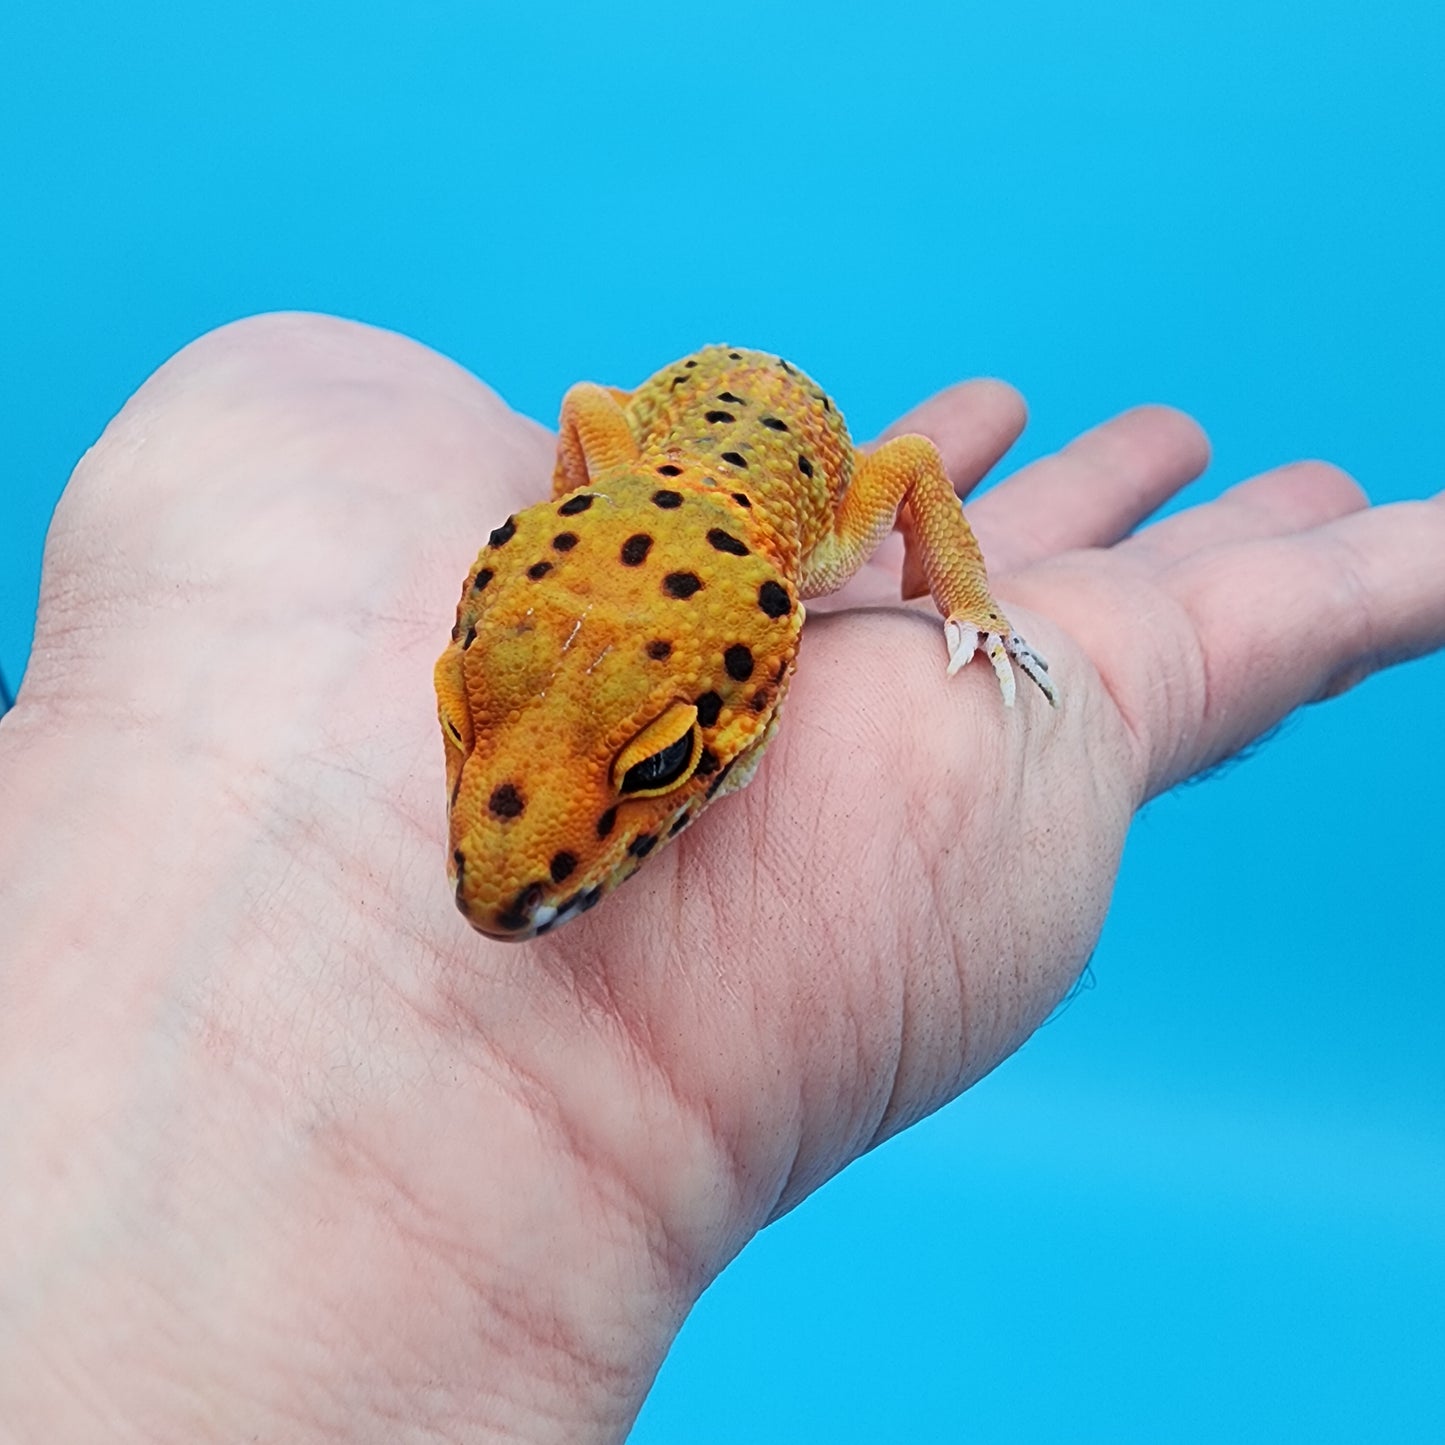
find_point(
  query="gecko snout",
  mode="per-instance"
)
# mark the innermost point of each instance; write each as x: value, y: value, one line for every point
x: 530, y: 912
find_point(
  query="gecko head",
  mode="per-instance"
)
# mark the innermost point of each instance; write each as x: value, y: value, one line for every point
x: 620, y: 658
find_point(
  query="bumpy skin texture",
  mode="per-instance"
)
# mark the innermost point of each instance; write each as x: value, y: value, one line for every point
x: 622, y: 652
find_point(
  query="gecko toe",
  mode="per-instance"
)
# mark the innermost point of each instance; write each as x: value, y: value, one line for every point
x: 962, y: 643
x: 994, y: 645
x: 965, y: 641
x: 1034, y: 666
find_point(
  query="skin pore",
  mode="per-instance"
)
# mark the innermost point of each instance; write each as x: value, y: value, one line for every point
x: 290, y: 1152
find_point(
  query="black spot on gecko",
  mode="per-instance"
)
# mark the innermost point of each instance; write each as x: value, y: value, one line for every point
x: 735, y: 355
x: 709, y: 705
x: 482, y: 578
x: 707, y: 762
x: 739, y: 662
x: 667, y: 500
x: 827, y: 403
x: 742, y: 499
x: 774, y: 600
x: 775, y: 423
x: 678, y: 824
x: 736, y: 458
x: 659, y: 651
x: 786, y: 367
x: 574, y: 506
x: 504, y: 533
x: 606, y: 822
x: 590, y: 899
x: 506, y: 802
x: 691, y: 362
x: 471, y: 637
x: 681, y: 584
x: 719, y: 416
x: 538, y: 570
x: 642, y: 845
x: 728, y: 396
x: 678, y: 380
x: 805, y: 466
x: 668, y: 470
x: 726, y: 542
x: 565, y: 541
x: 782, y: 671
x: 635, y: 549
x: 761, y: 698
x: 562, y: 866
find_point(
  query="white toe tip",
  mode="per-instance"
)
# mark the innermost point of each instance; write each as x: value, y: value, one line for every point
x: 962, y: 644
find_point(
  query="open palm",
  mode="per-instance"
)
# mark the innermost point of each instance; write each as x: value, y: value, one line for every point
x: 349, y: 1167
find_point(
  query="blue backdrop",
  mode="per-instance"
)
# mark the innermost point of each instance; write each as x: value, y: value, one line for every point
x: 1208, y: 1201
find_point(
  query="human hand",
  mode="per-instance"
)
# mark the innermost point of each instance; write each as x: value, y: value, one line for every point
x: 288, y: 1149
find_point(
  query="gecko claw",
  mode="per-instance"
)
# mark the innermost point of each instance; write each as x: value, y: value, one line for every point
x: 962, y: 643
x: 965, y: 641
x: 1033, y: 666
x: 997, y: 651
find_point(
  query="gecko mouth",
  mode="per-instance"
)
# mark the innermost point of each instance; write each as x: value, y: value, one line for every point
x: 527, y: 915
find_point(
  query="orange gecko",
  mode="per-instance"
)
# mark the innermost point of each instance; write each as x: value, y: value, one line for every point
x: 622, y: 651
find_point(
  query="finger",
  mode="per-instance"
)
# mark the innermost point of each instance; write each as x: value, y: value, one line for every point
x: 1285, y: 621
x: 1279, y: 503
x: 972, y: 424
x: 1093, y: 492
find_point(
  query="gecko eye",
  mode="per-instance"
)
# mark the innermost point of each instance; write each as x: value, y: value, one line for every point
x: 662, y: 769
x: 452, y: 707
x: 661, y: 756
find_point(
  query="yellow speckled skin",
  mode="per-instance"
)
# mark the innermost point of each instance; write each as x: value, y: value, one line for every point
x: 649, y: 614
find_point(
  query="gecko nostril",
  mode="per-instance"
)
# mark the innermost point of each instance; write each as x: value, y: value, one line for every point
x: 517, y: 915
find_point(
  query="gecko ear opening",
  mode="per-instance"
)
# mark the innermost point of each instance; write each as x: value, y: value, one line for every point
x: 662, y: 756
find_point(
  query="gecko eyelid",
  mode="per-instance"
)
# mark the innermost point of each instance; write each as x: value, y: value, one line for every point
x: 661, y: 768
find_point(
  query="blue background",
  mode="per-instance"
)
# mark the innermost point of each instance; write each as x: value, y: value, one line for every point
x: 1205, y: 1203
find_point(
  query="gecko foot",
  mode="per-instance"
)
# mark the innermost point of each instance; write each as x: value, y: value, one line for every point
x: 965, y: 641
